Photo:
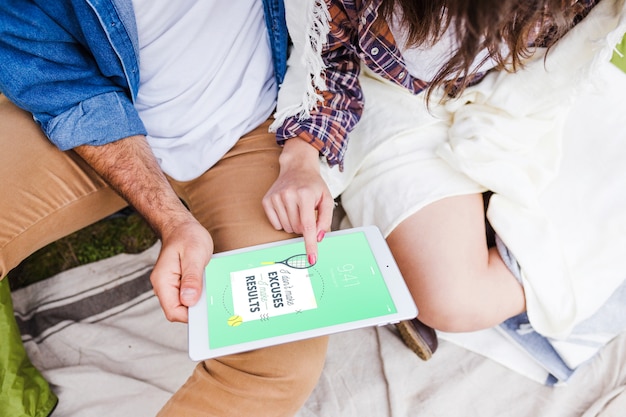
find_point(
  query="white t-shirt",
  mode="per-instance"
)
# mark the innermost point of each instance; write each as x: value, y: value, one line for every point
x: 206, y: 78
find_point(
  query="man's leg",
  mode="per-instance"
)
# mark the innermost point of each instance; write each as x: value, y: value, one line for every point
x: 46, y: 193
x: 275, y: 381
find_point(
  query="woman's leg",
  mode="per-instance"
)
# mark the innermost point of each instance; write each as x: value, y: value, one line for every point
x: 274, y: 381
x: 458, y: 283
x: 46, y: 193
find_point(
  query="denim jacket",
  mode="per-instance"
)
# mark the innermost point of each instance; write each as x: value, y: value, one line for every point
x: 74, y: 64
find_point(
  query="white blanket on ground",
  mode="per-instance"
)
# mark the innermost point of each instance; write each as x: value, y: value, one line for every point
x: 100, y: 337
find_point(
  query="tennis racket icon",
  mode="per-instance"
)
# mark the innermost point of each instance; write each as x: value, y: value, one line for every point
x: 295, y: 261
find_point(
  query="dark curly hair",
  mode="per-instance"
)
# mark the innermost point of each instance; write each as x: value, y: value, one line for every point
x: 508, y: 29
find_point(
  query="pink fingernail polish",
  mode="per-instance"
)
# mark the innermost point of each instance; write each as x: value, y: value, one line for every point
x: 321, y: 235
x: 312, y: 259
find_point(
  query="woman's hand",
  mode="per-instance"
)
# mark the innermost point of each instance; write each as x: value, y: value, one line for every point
x: 299, y: 200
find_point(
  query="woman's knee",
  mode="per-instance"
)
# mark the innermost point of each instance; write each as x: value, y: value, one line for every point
x: 448, y: 314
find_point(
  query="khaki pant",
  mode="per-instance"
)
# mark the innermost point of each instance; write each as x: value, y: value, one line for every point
x: 48, y: 194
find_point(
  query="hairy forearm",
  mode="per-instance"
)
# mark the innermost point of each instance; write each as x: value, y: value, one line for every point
x: 129, y: 166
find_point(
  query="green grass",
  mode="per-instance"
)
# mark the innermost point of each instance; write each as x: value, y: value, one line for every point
x: 125, y: 232
x: 619, y: 55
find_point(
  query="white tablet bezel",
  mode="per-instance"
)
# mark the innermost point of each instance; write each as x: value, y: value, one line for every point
x: 198, y: 328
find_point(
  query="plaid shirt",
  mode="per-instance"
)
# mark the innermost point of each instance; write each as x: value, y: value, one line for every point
x: 351, y: 41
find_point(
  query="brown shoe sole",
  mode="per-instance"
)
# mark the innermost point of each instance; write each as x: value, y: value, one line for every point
x: 413, y: 340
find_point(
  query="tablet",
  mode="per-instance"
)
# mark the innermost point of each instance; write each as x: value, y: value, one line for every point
x: 269, y: 294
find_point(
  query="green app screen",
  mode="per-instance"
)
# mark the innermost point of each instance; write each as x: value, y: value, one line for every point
x: 273, y: 291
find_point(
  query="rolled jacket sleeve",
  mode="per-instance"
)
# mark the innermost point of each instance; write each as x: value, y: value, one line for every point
x: 95, y: 121
x: 68, y: 76
x: 325, y: 124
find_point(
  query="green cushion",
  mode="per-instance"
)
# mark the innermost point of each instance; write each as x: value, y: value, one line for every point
x: 23, y: 390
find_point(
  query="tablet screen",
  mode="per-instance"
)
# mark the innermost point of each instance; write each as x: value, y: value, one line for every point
x: 273, y: 291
